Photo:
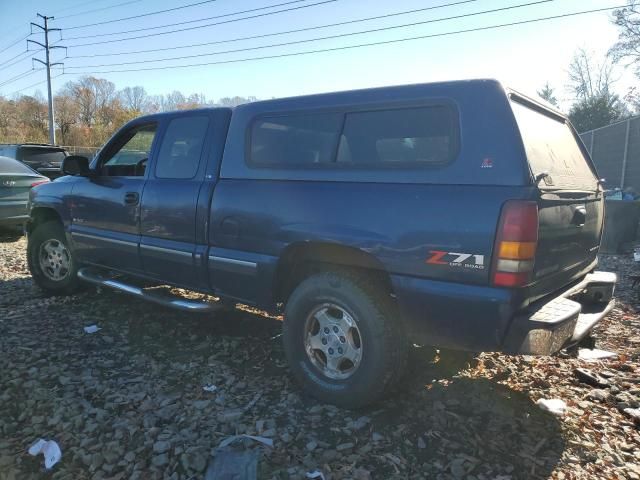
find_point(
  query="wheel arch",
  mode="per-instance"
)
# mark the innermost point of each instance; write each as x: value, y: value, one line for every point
x: 302, y: 259
x: 40, y: 215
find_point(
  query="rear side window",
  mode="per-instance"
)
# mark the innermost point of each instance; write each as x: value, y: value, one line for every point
x: 179, y: 155
x: 41, y: 155
x: 295, y: 140
x: 552, y: 148
x: 394, y: 137
x: 9, y: 165
x: 423, y: 136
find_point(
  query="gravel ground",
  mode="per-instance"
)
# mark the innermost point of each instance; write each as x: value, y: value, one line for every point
x: 128, y: 401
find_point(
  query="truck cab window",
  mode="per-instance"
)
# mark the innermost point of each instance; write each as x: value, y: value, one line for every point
x: 130, y: 153
x: 181, y: 148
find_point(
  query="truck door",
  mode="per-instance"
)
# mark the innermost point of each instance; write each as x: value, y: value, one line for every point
x: 169, y: 227
x: 105, y: 207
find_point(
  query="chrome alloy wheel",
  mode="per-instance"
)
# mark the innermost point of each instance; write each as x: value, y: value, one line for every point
x: 55, y: 260
x: 333, y: 342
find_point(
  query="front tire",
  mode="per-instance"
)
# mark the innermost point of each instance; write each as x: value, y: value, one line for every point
x: 343, y: 338
x: 51, y: 260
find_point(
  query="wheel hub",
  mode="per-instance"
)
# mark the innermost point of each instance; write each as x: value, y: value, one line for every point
x: 54, y: 259
x: 333, y: 342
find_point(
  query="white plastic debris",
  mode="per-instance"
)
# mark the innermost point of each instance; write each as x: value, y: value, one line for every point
x: 316, y: 474
x: 209, y: 388
x: 634, y: 413
x: 228, y: 441
x: 49, y: 448
x: 594, y: 355
x: 552, y: 405
x: 92, y: 329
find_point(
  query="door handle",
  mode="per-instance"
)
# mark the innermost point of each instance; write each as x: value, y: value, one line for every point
x: 131, y: 198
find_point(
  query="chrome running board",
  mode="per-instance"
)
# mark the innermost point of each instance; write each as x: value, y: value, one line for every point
x: 97, y: 278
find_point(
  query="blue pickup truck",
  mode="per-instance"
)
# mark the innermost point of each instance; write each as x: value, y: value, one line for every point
x: 460, y: 214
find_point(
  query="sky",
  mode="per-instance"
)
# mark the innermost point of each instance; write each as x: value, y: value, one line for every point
x: 524, y: 57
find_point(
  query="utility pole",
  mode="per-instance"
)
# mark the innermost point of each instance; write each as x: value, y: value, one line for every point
x: 47, y: 63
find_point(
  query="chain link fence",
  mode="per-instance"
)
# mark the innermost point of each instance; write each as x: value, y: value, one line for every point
x: 615, y: 150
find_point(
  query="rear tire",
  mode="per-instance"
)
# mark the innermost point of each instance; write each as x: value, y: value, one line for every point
x: 343, y: 338
x: 51, y: 260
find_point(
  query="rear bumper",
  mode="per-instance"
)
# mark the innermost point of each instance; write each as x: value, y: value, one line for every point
x: 13, y: 215
x: 552, y: 324
x: 478, y: 318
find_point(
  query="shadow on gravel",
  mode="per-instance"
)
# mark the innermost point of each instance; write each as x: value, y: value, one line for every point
x: 479, y: 425
x: 10, y: 237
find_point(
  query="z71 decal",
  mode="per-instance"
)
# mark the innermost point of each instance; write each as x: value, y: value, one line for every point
x: 455, y: 259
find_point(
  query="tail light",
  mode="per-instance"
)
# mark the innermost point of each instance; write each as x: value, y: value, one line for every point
x: 39, y: 182
x: 516, y: 242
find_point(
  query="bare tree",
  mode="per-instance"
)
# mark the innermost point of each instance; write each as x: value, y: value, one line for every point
x: 173, y: 101
x: 84, y: 96
x: 197, y: 100
x: 628, y: 45
x: 588, y: 78
x: 90, y: 109
x: 106, y: 100
x: 134, y: 98
x: 235, y: 101
x: 32, y: 114
x: 67, y: 113
x: 95, y: 98
x: 7, y: 116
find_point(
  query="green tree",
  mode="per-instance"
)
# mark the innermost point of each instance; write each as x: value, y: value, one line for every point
x: 546, y: 93
x: 596, y: 104
x: 595, y: 112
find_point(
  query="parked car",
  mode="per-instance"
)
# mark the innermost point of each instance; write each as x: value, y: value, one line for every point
x: 16, y: 179
x: 461, y: 215
x: 45, y: 159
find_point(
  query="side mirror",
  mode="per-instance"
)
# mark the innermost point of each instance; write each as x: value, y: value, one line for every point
x: 76, y: 165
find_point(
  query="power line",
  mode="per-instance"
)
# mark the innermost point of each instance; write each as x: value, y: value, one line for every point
x: 129, y: 2
x: 361, y: 45
x: 157, y: 12
x: 187, y: 21
x: 10, y: 33
x: 35, y: 84
x: 15, y: 43
x: 265, y: 35
x: 329, y: 37
x: 202, y: 26
x: 81, y: 4
x: 24, y: 58
x: 14, y: 57
x: 18, y: 77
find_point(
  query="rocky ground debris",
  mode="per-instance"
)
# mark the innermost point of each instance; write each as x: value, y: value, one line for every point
x: 128, y: 401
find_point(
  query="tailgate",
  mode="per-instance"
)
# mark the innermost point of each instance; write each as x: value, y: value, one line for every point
x: 570, y: 201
